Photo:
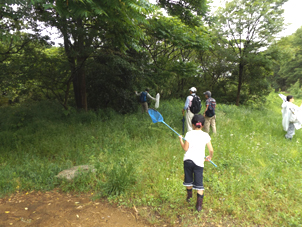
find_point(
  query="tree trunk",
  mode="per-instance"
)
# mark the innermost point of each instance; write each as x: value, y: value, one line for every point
x: 67, y: 93
x: 79, y: 80
x: 239, y: 83
x: 79, y: 86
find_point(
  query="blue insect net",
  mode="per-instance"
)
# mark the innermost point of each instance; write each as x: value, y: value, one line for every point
x: 155, y: 116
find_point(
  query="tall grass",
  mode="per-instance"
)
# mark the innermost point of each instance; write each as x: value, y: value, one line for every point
x: 257, y: 181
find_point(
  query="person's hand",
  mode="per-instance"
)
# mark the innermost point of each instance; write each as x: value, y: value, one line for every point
x: 180, y: 138
x: 208, y: 158
x: 183, y: 111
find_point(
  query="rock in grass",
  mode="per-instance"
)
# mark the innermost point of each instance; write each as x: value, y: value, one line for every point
x: 69, y: 174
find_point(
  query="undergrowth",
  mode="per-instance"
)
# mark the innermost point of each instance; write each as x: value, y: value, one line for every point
x: 138, y: 163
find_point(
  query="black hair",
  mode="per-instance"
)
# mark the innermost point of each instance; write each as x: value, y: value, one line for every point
x: 147, y: 89
x: 198, y: 118
x: 289, y: 97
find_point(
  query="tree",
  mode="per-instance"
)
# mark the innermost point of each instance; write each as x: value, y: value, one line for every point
x: 188, y: 11
x: 292, y: 69
x: 280, y: 52
x: 216, y: 68
x: 93, y: 28
x: 286, y: 55
x: 112, y: 78
x: 11, y: 37
x: 87, y: 26
x: 13, y: 43
x: 171, y: 46
x: 245, y: 28
x: 37, y: 72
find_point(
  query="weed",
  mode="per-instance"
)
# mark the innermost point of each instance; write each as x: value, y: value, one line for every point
x: 257, y: 181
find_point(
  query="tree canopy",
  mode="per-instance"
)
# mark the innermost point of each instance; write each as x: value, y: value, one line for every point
x: 245, y: 27
x: 116, y: 47
x: 286, y: 55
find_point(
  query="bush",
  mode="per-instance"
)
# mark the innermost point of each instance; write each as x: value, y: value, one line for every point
x: 115, y: 171
x: 139, y: 163
x: 296, y: 90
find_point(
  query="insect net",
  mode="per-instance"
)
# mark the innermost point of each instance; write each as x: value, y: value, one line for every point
x: 155, y: 116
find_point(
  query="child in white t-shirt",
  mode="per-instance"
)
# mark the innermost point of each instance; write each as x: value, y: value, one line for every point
x: 194, y: 145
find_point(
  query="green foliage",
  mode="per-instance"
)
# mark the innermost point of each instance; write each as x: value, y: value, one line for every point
x: 118, y: 47
x: 171, y: 47
x: 37, y: 72
x: 3, y: 101
x: 110, y: 81
x: 9, y: 21
x: 243, y: 28
x: 187, y: 11
x: 13, y: 118
x: 219, y: 74
x: 87, y: 27
x: 296, y: 89
x: 115, y: 171
x: 140, y: 164
x: 287, y: 56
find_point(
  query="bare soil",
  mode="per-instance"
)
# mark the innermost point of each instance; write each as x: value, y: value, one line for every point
x: 60, y: 209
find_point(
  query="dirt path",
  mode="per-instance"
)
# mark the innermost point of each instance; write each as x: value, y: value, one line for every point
x: 59, y: 209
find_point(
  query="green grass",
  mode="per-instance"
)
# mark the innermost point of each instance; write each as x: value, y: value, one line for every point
x: 257, y: 182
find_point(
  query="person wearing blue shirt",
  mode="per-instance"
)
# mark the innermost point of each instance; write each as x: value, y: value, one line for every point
x: 143, y: 99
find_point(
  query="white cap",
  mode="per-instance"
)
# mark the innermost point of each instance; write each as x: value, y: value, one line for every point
x: 193, y: 89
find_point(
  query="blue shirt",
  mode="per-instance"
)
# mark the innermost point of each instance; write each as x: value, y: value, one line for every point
x: 188, y: 102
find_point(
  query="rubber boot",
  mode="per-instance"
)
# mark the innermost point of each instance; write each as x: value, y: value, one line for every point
x: 199, y: 202
x: 189, y: 195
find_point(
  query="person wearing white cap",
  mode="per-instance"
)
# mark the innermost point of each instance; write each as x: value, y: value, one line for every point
x: 188, y: 103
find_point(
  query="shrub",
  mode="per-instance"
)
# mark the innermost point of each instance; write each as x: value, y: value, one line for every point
x: 115, y: 171
x: 296, y: 90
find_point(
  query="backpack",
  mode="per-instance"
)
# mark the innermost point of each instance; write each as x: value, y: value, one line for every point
x: 211, y: 109
x: 143, y: 97
x: 196, y: 104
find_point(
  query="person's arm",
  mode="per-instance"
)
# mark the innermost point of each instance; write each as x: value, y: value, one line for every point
x: 186, y: 104
x: 211, y: 151
x: 137, y: 94
x: 207, y: 106
x: 149, y: 96
x: 184, y: 145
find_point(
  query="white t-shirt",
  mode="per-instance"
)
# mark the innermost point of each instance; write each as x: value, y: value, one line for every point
x: 197, y: 140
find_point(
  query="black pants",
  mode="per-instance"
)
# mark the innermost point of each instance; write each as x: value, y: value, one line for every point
x: 193, y: 175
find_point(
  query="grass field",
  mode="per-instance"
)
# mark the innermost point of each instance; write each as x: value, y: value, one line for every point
x: 258, y: 180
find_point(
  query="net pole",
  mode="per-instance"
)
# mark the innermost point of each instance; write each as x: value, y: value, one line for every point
x: 170, y: 128
x: 211, y: 161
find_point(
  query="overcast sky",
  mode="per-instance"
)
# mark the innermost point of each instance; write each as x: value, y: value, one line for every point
x: 292, y: 15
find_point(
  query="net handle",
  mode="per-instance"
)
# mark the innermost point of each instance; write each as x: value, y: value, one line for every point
x: 172, y: 129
